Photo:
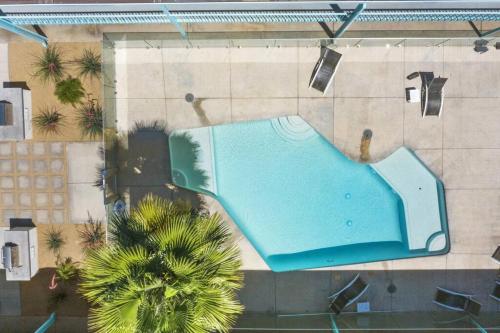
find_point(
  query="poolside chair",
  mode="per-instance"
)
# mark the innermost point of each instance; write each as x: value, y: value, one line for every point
x: 496, y: 255
x: 431, y: 94
x: 496, y: 292
x: 348, y: 295
x: 324, y: 71
x: 481, y: 46
x: 455, y: 301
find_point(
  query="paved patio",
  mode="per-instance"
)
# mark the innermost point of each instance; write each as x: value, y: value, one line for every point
x: 256, y: 82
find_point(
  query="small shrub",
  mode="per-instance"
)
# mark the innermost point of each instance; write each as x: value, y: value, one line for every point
x: 49, y: 121
x: 69, y: 91
x: 90, y: 119
x: 92, y: 235
x: 57, y: 297
x: 49, y: 66
x: 66, y: 270
x: 54, y: 241
x: 89, y: 64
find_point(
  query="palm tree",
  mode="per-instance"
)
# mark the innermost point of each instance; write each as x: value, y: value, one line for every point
x: 168, y: 269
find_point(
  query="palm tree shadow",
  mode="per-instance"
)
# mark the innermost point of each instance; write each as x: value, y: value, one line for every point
x: 141, y: 158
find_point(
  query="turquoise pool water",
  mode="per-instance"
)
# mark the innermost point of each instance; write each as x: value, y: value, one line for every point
x: 296, y: 197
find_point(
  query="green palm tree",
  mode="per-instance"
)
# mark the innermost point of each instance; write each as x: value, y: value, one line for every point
x: 168, y: 269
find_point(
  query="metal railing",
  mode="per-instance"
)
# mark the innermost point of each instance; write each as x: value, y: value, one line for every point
x: 246, y: 16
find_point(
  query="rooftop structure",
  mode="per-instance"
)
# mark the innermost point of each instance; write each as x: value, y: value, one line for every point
x: 188, y: 65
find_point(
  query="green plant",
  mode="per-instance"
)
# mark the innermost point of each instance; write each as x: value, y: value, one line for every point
x: 49, y: 66
x: 69, y: 91
x: 90, y: 119
x: 89, y: 64
x: 166, y: 270
x: 49, y: 121
x: 66, y: 270
x: 54, y: 241
x: 93, y: 236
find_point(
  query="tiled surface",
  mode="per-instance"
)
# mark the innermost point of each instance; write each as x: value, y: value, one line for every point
x: 84, y: 198
x: 247, y: 83
x: 33, y: 181
x: 10, y: 296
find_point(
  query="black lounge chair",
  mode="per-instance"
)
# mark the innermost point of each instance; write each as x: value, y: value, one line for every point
x: 496, y: 292
x: 348, y: 295
x: 322, y: 75
x: 481, y: 46
x: 496, y: 255
x: 431, y: 94
x: 455, y: 301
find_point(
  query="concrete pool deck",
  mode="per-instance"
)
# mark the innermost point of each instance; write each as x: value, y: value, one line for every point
x: 462, y: 147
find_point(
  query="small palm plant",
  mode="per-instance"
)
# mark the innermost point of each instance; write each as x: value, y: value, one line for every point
x: 90, y: 119
x: 69, y: 91
x: 49, y: 66
x: 89, y: 64
x: 93, y: 235
x: 49, y: 121
x: 66, y: 269
x: 166, y: 270
x: 54, y: 241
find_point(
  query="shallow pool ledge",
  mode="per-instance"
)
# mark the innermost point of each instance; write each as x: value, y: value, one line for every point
x: 422, y: 195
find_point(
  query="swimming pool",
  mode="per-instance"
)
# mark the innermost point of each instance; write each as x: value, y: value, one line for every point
x: 303, y: 204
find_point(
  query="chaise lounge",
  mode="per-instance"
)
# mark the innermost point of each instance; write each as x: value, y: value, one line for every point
x: 324, y: 71
x: 496, y: 255
x: 456, y: 301
x: 348, y: 295
x: 431, y: 93
x: 496, y: 292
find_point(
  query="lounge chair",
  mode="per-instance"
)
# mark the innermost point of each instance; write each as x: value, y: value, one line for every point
x: 431, y: 94
x: 496, y: 255
x: 324, y: 71
x: 348, y: 295
x: 455, y: 301
x: 496, y: 292
x: 481, y: 46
